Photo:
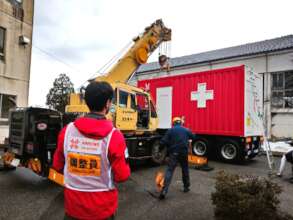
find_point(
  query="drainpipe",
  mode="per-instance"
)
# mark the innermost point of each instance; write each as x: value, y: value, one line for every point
x: 267, y: 99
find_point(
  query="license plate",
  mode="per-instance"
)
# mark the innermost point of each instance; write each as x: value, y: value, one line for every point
x: 15, y: 162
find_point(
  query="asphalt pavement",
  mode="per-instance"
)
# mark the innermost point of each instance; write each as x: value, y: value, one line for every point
x: 25, y: 195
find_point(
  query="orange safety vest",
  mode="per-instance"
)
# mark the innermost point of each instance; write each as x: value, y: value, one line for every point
x: 87, y: 167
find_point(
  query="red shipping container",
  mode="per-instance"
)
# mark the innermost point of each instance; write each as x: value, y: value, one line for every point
x: 224, y: 102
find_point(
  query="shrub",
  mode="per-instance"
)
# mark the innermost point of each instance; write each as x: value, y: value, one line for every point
x: 246, y: 198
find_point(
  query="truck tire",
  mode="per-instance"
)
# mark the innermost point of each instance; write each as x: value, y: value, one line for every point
x: 158, y: 153
x: 200, y: 147
x: 230, y: 151
x: 7, y: 168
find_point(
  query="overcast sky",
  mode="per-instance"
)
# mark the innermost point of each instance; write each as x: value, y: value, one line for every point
x: 78, y: 37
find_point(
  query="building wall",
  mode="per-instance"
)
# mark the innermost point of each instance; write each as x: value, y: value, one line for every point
x: 15, y: 68
x: 278, y: 122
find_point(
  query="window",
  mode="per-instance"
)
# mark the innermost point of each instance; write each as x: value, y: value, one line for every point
x: 123, y: 96
x: 133, y: 103
x: 282, y: 89
x: 16, y: 2
x: 142, y: 101
x: 2, y: 42
x: 18, y: 11
x: 7, y: 102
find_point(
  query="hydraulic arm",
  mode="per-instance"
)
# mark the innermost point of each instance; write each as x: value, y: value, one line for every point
x: 138, y: 54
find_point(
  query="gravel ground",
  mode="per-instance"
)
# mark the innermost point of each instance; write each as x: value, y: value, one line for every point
x: 27, y: 196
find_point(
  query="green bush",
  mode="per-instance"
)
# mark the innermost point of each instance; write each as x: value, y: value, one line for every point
x: 246, y: 198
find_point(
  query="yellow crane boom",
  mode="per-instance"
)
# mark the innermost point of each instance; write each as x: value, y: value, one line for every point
x: 138, y: 54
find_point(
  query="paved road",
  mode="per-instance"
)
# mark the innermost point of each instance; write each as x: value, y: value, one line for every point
x: 27, y: 196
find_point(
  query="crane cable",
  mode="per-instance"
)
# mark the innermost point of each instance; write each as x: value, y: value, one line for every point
x: 108, y: 64
x: 113, y: 59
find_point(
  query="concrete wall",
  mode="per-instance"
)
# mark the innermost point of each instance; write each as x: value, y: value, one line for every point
x: 15, y: 69
x: 279, y: 122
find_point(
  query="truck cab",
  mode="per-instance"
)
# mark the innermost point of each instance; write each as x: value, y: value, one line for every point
x: 33, y: 134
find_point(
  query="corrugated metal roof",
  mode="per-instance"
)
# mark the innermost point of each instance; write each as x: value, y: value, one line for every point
x: 276, y: 44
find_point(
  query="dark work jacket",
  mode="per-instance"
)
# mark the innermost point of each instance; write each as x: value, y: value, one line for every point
x: 289, y: 156
x: 176, y: 139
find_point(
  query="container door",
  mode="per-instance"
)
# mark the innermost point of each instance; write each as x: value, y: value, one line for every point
x: 164, y: 107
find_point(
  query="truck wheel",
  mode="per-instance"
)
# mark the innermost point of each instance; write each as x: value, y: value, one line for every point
x: 7, y: 168
x: 230, y: 151
x: 200, y: 148
x: 158, y: 154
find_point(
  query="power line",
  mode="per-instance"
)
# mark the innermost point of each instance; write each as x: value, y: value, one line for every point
x: 43, y: 51
x: 110, y: 62
x: 57, y: 59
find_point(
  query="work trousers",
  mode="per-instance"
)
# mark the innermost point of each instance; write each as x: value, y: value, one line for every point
x: 175, y: 158
x: 283, y: 163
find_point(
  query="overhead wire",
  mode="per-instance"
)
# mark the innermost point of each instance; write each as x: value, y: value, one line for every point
x: 112, y: 60
x: 109, y: 63
x: 53, y: 56
x: 100, y: 71
x: 56, y: 58
x: 41, y: 50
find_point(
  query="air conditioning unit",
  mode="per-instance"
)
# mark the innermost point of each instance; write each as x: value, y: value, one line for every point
x: 23, y: 40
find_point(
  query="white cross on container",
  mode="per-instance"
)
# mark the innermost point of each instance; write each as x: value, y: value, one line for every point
x: 202, y: 95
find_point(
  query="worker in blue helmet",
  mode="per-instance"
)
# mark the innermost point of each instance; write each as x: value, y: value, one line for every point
x: 176, y: 140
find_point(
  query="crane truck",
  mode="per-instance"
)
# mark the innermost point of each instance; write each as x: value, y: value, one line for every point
x: 33, y: 131
x: 133, y: 110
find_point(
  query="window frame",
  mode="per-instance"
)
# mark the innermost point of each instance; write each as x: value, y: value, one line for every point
x: 1, y: 101
x: 122, y: 105
x: 146, y: 101
x: 2, y: 53
x: 0, y: 106
x: 281, y: 90
x: 133, y: 104
x: 153, y: 110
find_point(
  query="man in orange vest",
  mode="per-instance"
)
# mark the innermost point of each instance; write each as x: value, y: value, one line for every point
x: 91, y: 154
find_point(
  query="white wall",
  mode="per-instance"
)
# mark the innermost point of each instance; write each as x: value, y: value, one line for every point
x: 282, y: 124
x: 3, y: 133
x: 15, y: 69
x: 280, y: 62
